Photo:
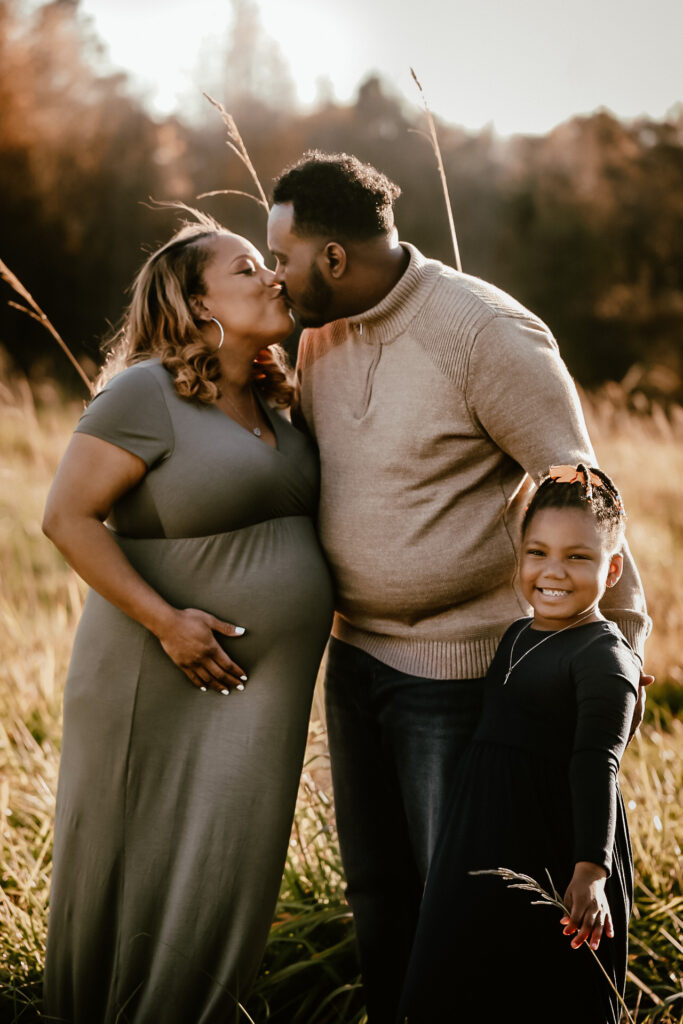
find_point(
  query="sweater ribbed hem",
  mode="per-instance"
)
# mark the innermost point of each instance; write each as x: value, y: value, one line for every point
x: 455, y: 659
x: 431, y: 659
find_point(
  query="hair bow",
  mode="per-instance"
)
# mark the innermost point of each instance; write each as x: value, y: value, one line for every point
x: 572, y: 475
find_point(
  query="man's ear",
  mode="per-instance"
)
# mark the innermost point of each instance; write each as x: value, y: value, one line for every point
x: 335, y: 259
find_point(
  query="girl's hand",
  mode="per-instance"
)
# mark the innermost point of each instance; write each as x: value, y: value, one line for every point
x: 585, y: 899
x: 189, y: 642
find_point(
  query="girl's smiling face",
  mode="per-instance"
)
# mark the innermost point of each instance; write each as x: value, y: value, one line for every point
x: 566, y: 565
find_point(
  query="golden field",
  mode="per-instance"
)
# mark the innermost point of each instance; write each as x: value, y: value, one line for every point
x: 309, y: 974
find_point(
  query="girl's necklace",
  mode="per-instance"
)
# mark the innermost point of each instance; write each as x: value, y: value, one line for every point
x: 549, y: 637
x: 240, y: 416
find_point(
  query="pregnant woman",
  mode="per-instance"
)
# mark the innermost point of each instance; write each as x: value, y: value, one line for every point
x: 189, y: 690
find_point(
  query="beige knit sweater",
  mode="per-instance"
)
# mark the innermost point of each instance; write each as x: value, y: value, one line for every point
x: 434, y: 412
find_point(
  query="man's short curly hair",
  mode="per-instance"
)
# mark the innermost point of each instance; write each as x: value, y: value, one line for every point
x: 334, y: 194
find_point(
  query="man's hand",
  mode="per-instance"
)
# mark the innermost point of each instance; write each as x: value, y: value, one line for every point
x: 639, y: 709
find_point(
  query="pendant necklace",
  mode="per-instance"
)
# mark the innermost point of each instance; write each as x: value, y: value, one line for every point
x: 240, y: 416
x: 549, y: 637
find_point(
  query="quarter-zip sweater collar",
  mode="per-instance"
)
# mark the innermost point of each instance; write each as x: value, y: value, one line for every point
x: 390, y: 317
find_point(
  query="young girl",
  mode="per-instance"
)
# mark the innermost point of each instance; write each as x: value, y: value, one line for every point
x: 537, y: 791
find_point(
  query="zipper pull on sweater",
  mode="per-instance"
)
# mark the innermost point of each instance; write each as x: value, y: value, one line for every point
x: 373, y: 354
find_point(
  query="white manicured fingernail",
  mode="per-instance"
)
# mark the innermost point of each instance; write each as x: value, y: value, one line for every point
x: 240, y: 686
x: 225, y: 692
x: 203, y: 689
x: 243, y: 678
x: 239, y: 630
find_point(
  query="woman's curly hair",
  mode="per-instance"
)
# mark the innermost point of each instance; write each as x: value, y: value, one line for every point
x: 159, y: 322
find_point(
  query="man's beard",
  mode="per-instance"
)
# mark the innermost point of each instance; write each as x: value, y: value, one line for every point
x: 316, y: 300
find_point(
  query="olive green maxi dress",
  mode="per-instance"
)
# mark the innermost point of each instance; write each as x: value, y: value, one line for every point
x: 174, y: 806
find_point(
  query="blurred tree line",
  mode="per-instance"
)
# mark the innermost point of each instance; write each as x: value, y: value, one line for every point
x: 583, y: 225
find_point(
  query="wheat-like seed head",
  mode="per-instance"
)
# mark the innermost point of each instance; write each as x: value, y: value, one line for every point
x: 517, y: 880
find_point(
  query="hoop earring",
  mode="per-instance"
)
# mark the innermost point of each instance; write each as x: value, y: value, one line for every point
x: 220, y: 328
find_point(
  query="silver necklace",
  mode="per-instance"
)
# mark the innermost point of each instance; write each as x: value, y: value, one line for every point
x: 549, y: 637
x: 240, y: 416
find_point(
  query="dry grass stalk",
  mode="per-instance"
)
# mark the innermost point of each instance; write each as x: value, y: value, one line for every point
x: 442, y: 173
x: 236, y: 144
x: 36, y: 313
x: 516, y: 880
x: 644, y: 988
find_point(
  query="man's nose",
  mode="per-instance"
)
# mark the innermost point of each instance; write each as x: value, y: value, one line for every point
x: 271, y: 278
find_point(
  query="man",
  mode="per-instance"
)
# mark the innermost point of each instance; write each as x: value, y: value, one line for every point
x: 436, y: 400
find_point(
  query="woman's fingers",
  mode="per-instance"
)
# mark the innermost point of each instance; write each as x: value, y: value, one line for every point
x: 196, y: 679
x: 207, y: 673
x: 227, y: 670
x: 226, y: 628
x: 225, y: 674
x: 193, y: 646
x: 224, y: 668
x: 205, y: 680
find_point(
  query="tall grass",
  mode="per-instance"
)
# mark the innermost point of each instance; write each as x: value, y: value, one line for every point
x: 644, y: 453
x: 309, y: 974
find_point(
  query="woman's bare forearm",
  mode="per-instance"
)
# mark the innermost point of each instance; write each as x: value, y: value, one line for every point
x: 185, y: 634
x: 90, y: 479
x: 92, y: 552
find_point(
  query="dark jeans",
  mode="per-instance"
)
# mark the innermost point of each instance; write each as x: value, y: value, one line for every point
x: 394, y: 742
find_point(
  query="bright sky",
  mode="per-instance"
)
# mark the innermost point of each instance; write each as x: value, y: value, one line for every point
x: 522, y: 65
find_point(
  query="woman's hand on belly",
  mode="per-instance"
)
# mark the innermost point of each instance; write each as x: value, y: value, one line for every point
x: 188, y: 640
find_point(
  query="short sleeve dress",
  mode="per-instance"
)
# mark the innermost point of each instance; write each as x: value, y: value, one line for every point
x: 536, y: 791
x: 174, y: 806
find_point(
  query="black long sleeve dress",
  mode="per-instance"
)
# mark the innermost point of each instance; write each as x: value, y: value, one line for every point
x: 536, y: 789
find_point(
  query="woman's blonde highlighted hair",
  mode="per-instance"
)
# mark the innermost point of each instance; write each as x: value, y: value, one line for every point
x: 159, y: 322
